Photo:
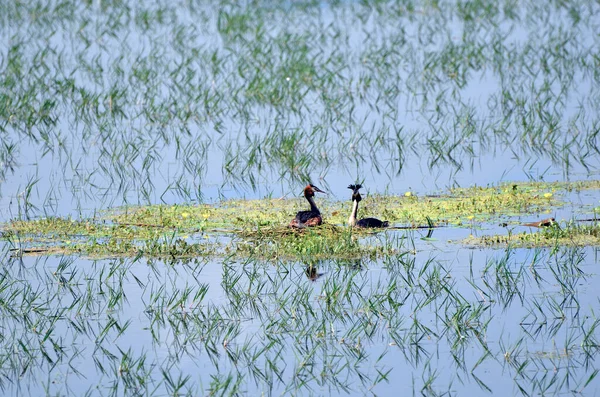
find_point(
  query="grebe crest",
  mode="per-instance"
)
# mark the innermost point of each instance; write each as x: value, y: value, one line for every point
x: 365, y: 222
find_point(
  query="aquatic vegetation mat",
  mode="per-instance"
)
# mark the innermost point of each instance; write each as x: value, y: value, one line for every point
x: 259, y: 227
x: 571, y: 234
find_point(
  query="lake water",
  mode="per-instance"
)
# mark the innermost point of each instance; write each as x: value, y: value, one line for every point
x: 111, y: 103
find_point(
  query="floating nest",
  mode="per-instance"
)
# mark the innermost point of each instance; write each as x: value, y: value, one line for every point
x: 284, y: 231
x: 325, y: 229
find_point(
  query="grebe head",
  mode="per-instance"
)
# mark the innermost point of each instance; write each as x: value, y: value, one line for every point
x: 355, y: 194
x: 310, y: 189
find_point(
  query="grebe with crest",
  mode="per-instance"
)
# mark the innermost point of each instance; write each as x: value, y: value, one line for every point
x: 311, y: 217
x: 365, y: 222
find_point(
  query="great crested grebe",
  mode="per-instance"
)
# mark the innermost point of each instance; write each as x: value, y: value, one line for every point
x: 365, y: 222
x: 311, y: 217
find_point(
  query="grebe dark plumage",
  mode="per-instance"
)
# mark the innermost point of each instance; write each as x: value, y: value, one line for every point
x: 365, y: 222
x: 311, y: 217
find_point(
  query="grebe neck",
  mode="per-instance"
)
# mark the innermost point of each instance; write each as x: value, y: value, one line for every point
x: 352, y: 218
x: 313, y: 206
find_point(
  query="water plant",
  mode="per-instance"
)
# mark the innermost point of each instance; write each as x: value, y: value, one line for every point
x: 151, y: 155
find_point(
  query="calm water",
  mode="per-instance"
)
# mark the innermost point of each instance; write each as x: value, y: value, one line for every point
x: 111, y: 103
x: 107, y: 104
x: 412, y: 343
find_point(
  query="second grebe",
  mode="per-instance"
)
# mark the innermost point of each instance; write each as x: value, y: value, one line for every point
x: 365, y: 222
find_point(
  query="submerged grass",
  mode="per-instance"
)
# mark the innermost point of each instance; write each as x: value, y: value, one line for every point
x: 189, y: 86
x: 292, y: 326
x: 104, y: 103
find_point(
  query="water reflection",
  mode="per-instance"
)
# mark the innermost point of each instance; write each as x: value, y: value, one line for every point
x: 312, y: 269
x: 312, y: 272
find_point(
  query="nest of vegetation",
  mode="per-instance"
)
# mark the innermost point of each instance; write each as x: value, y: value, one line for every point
x: 284, y: 231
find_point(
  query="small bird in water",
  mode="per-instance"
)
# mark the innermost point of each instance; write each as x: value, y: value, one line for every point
x: 365, y: 222
x: 543, y: 223
x: 311, y: 217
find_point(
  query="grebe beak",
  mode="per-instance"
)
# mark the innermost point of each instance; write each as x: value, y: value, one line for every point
x: 316, y: 189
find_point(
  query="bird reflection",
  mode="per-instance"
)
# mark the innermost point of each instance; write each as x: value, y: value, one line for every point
x: 354, y: 264
x: 312, y: 273
x: 312, y: 269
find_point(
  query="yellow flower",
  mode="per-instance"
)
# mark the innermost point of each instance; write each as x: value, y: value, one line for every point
x: 547, y: 195
x: 205, y: 215
x: 408, y: 194
x: 185, y: 214
x: 470, y: 217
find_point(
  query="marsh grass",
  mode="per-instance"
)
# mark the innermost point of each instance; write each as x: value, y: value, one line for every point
x: 135, y: 111
x: 284, y: 325
x: 108, y: 104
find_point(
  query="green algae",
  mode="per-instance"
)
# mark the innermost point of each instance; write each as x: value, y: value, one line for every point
x: 259, y: 227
